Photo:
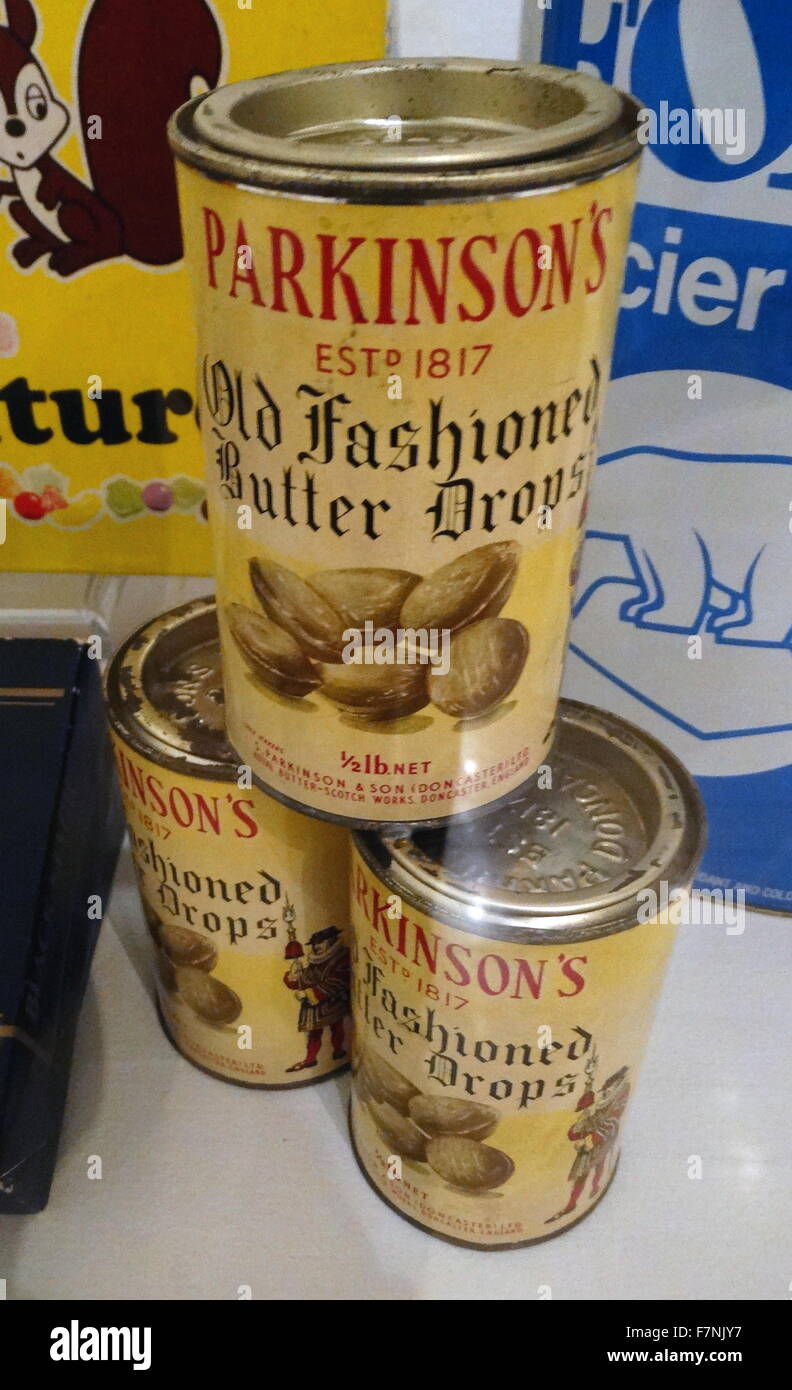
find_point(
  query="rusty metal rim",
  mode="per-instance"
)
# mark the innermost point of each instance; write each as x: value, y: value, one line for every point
x: 128, y: 711
x: 461, y: 180
x: 506, y: 113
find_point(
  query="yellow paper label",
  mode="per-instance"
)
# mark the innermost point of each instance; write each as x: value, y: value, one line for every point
x: 100, y: 457
x: 399, y: 409
x: 492, y: 1079
x: 247, y: 906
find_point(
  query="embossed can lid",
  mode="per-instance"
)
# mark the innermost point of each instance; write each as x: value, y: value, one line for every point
x: 390, y: 122
x: 613, y: 813
x: 165, y: 692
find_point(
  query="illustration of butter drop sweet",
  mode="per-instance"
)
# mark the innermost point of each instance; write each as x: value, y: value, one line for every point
x: 438, y: 1115
x: 400, y: 1133
x: 207, y: 996
x: 385, y: 1084
x: 487, y: 661
x: 124, y: 497
x: 185, y: 947
x: 468, y: 1164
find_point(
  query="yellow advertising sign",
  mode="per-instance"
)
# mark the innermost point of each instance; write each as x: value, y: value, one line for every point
x: 100, y: 457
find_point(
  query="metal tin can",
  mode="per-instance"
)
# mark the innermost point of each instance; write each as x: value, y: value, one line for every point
x: 246, y: 901
x: 503, y: 984
x: 406, y: 278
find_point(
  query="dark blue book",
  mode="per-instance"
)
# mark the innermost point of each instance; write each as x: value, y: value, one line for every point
x: 60, y: 831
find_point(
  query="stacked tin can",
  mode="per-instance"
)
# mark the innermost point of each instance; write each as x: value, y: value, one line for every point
x: 406, y: 278
x: 246, y: 901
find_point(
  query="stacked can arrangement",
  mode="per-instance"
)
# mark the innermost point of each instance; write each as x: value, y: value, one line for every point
x: 406, y: 279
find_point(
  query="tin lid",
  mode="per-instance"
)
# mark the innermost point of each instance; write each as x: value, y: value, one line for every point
x: 395, y: 124
x: 165, y: 692
x: 613, y: 814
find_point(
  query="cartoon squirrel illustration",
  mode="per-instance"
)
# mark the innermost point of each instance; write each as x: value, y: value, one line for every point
x: 137, y: 63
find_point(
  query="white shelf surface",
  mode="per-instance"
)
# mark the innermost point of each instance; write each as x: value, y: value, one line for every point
x: 207, y: 1187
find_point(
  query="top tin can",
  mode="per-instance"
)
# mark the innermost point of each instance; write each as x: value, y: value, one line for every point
x: 406, y: 278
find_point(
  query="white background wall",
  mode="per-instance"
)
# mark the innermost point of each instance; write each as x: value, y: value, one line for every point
x: 466, y: 28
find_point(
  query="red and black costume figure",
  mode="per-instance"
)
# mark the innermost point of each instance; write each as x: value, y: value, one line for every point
x: 596, y: 1133
x: 323, y: 985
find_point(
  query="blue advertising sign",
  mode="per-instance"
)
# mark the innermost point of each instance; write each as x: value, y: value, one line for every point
x: 683, y: 616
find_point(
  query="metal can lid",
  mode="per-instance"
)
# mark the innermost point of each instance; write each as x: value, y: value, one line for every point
x: 415, y: 119
x: 165, y: 692
x: 614, y: 815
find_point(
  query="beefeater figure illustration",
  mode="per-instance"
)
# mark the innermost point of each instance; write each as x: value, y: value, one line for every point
x: 595, y: 1131
x: 321, y: 981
